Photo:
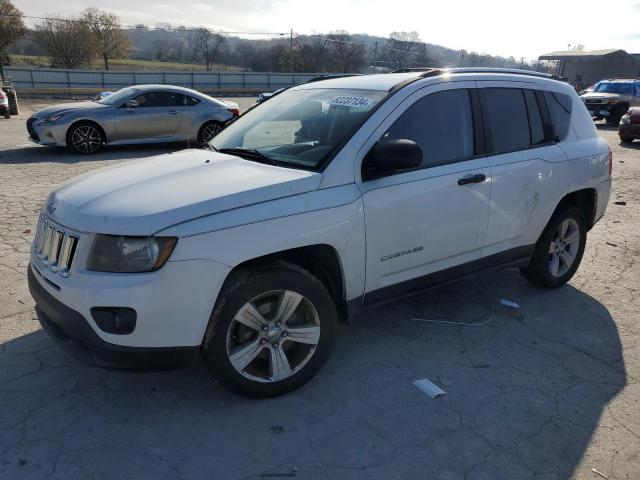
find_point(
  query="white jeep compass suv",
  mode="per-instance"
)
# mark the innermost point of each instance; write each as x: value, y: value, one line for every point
x: 330, y: 197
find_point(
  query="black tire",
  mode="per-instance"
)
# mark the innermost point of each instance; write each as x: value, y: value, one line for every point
x: 539, y: 269
x: 6, y: 114
x: 206, y: 130
x: 616, y: 115
x: 85, y: 138
x: 12, y: 97
x: 625, y: 139
x: 246, y: 285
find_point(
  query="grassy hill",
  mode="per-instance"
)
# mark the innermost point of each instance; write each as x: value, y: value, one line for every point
x: 119, y: 64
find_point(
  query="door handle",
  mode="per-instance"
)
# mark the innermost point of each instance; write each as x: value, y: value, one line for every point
x: 477, y: 178
x: 173, y: 112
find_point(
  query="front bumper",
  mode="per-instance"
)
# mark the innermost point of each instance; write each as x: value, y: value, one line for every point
x: 71, y: 331
x: 47, y: 134
x: 599, y: 109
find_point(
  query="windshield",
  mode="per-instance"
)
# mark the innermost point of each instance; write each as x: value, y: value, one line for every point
x: 119, y: 96
x: 298, y: 128
x: 624, y: 88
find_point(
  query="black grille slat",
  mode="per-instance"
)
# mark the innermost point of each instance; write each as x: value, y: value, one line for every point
x: 32, y: 131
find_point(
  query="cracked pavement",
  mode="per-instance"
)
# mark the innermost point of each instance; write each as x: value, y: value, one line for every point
x: 549, y: 391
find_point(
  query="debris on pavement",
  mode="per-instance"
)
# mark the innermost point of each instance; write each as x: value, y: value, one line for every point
x: 621, y: 202
x: 598, y: 473
x: 429, y: 388
x: 509, y: 303
x: 612, y: 244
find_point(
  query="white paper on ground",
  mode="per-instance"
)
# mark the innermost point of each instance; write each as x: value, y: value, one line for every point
x: 509, y: 303
x: 429, y: 388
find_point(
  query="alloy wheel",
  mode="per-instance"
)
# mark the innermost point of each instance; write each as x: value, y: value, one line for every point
x: 273, y: 336
x: 564, y: 247
x: 210, y: 131
x: 86, y: 139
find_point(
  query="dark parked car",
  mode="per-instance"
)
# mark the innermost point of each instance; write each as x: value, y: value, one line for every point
x: 610, y: 99
x: 629, y: 128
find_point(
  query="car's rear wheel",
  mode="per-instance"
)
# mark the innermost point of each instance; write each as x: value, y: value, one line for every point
x: 559, y: 249
x: 271, y: 331
x: 6, y: 114
x: 208, y: 131
x: 85, y: 138
x: 626, y: 139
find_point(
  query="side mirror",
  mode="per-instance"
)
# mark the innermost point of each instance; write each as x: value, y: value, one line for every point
x: 131, y: 104
x: 391, y: 155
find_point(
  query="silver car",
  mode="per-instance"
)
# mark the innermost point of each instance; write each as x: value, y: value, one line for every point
x: 137, y: 114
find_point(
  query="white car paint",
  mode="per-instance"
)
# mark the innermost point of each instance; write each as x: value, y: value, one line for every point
x: 226, y: 211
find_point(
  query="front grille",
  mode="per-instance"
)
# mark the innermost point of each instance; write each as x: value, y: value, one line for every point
x: 596, y: 101
x: 54, y: 246
x: 32, y: 131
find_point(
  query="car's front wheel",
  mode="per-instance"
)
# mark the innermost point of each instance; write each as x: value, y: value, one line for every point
x: 85, y: 138
x: 271, y: 331
x: 559, y: 249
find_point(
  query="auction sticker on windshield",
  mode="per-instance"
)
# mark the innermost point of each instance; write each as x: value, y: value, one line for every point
x: 351, y: 101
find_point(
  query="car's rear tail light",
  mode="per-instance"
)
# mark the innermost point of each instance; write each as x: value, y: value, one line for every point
x: 2, y: 94
x: 610, y: 160
x: 235, y: 111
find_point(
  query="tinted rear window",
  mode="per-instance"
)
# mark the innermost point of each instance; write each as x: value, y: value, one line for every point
x: 559, y: 106
x: 536, y: 123
x: 508, y: 119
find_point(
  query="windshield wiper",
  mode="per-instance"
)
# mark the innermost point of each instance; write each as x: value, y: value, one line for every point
x: 210, y: 147
x: 250, y: 154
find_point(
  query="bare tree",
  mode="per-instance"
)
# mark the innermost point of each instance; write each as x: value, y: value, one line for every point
x: 109, y: 39
x: 11, y: 29
x: 67, y: 41
x: 207, y: 45
x: 311, y: 53
x: 349, y: 55
x: 402, y: 48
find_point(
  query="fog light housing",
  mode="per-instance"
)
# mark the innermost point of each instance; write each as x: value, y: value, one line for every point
x: 115, y: 320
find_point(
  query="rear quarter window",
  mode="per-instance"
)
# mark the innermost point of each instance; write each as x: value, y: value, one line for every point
x: 559, y: 106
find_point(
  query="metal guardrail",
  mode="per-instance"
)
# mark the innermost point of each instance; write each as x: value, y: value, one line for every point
x: 59, y: 81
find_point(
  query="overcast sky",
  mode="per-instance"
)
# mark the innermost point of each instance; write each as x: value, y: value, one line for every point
x: 496, y: 27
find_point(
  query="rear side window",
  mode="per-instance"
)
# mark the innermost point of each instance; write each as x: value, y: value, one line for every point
x: 191, y: 101
x: 559, y: 106
x: 160, y: 99
x: 536, y: 124
x: 441, y: 123
x: 508, y: 119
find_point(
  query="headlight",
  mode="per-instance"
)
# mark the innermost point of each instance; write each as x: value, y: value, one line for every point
x: 625, y: 120
x: 54, y: 118
x: 110, y: 253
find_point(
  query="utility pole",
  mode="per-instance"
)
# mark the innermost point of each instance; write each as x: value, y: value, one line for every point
x: 461, y: 57
x: 291, y: 51
x: 521, y: 62
x: 375, y: 57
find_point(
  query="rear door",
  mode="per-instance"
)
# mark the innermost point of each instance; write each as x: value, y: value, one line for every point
x: 521, y: 144
x: 157, y: 115
x: 434, y: 217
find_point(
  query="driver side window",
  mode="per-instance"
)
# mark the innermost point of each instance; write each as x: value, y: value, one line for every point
x: 441, y: 124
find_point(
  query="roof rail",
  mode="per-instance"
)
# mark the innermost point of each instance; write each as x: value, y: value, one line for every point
x: 434, y: 72
x: 329, y: 77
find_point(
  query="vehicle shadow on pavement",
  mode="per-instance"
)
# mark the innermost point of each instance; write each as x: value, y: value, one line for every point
x: 525, y: 390
x: 38, y: 154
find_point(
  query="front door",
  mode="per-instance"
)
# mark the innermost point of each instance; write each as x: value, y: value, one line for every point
x: 435, y: 217
x: 158, y: 114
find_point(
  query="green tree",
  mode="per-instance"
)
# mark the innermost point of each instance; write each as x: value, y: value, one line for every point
x: 67, y: 41
x: 108, y: 38
x: 11, y: 29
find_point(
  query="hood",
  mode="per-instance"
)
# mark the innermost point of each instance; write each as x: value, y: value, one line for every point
x: 46, y: 112
x: 145, y: 196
